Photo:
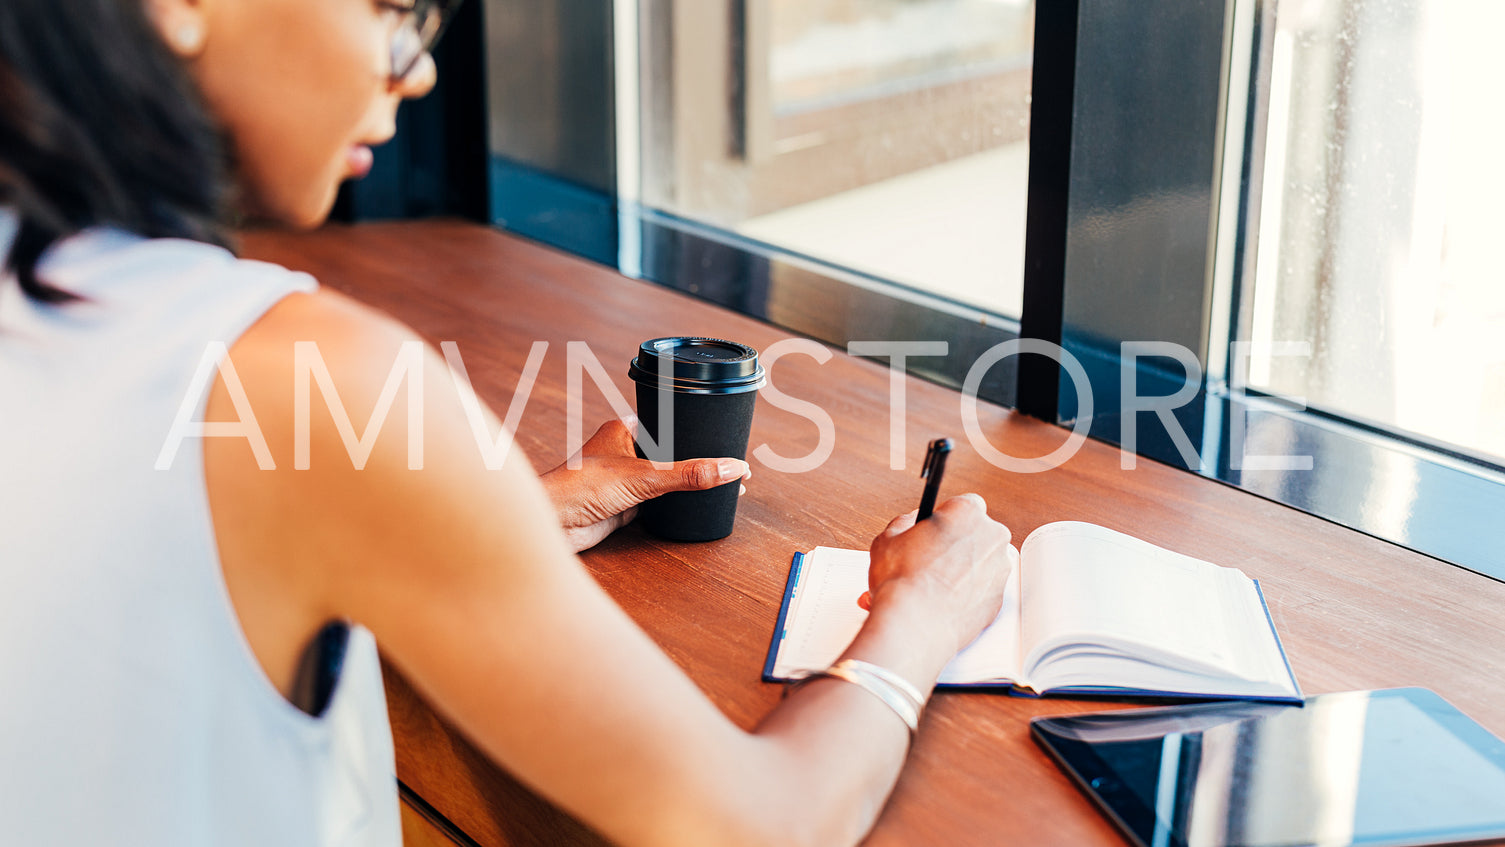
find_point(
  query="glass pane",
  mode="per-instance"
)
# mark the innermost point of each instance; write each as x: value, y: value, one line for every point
x: 1381, y: 212
x: 826, y: 53
x: 885, y: 136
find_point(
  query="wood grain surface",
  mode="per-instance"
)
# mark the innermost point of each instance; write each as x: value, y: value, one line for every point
x: 1353, y: 612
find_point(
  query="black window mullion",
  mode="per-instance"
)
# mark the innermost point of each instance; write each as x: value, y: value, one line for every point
x: 1050, y: 133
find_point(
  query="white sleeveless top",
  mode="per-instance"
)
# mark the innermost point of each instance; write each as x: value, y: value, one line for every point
x: 132, y: 710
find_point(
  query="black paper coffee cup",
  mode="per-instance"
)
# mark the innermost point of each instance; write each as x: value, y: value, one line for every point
x: 695, y: 400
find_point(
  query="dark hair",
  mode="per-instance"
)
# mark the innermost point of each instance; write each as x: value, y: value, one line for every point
x: 101, y: 126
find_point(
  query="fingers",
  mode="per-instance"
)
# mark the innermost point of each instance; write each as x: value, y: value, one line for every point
x: 583, y: 538
x: 956, y: 563
x: 965, y: 507
x: 969, y: 509
x: 962, y: 518
x: 964, y: 504
x: 901, y: 524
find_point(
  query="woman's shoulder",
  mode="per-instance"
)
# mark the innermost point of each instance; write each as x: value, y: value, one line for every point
x: 380, y: 501
x: 358, y: 407
x: 110, y: 265
x: 328, y: 318
x: 321, y: 332
x: 324, y: 382
x: 322, y: 372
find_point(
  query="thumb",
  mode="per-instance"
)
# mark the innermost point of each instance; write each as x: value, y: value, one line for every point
x: 693, y: 475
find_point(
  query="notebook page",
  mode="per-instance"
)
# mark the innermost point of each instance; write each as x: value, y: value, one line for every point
x: 824, y: 618
x: 994, y: 655
x: 1258, y: 651
x: 1089, y: 584
x: 823, y: 614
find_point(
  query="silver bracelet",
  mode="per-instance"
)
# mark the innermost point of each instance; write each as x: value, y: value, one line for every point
x: 858, y: 673
x: 904, y: 686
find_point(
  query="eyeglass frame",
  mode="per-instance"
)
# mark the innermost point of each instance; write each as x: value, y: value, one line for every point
x: 417, y: 34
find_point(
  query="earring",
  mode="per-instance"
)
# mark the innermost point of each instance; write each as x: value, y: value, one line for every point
x: 188, y: 38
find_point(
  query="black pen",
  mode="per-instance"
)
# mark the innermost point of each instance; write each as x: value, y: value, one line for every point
x: 935, y: 468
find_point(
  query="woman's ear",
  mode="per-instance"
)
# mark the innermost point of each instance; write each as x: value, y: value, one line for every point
x: 182, y: 24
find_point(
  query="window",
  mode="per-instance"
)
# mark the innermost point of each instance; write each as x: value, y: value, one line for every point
x: 889, y: 137
x: 1360, y: 281
x: 1381, y: 217
x: 1214, y: 177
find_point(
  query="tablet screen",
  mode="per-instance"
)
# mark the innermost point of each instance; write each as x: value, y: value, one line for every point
x: 1397, y: 767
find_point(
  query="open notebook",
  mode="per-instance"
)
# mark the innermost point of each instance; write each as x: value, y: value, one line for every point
x: 1087, y: 611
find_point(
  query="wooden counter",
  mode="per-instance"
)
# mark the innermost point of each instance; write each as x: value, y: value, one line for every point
x: 1353, y: 612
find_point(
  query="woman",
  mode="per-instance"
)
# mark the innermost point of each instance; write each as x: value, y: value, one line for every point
x: 163, y: 606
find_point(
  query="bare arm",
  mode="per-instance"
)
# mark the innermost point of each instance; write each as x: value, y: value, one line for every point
x: 472, y: 590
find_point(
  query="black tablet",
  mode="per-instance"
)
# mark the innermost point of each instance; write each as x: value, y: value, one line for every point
x: 1396, y: 767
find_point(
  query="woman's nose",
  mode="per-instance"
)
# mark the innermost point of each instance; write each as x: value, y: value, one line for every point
x: 420, y: 80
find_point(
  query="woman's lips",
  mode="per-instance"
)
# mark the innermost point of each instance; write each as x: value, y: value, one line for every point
x: 358, y: 160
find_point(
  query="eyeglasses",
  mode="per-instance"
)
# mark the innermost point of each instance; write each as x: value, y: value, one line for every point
x: 421, y: 26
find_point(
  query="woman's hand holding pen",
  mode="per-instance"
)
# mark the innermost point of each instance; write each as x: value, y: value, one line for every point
x: 952, y: 566
x: 603, y: 494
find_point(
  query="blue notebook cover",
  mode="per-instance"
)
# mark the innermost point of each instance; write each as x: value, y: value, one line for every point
x: 778, y: 627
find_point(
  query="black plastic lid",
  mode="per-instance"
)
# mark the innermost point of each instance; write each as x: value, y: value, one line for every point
x: 698, y: 365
